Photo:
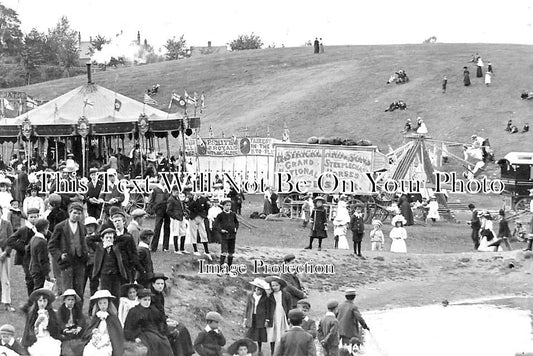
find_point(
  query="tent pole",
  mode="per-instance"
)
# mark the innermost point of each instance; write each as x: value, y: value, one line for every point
x: 56, y: 154
x: 168, y: 146
x: 83, y: 156
x: 184, y: 165
x: 142, y: 158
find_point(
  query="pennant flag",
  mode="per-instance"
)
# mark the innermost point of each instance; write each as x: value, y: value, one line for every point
x: 148, y: 100
x: 31, y: 103
x: 118, y: 105
x: 286, y: 136
x: 8, y: 105
x: 199, y: 142
x: 86, y: 103
x: 190, y: 100
x: 179, y: 100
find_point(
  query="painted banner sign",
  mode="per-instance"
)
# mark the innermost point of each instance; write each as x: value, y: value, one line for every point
x: 238, y: 146
x: 309, y: 162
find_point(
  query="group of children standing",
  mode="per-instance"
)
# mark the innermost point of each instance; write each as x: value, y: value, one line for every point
x: 343, y: 222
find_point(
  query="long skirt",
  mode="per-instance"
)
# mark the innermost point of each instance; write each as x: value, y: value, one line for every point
x: 256, y: 332
x: 267, y: 207
x: 398, y: 245
x: 158, y: 344
x: 479, y: 72
x: 466, y: 80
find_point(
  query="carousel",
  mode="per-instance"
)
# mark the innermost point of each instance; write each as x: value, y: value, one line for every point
x: 90, y: 122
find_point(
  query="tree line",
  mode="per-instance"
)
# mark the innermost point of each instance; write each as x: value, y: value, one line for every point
x: 36, y: 56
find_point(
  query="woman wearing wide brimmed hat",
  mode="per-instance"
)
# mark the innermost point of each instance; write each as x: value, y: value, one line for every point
x: 258, y: 312
x: 281, y: 302
x: 144, y: 324
x: 318, y: 223
x: 41, y: 334
x: 340, y: 226
x: 104, y: 333
x: 242, y: 347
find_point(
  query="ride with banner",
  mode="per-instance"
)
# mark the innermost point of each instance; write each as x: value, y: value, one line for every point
x: 341, y: 168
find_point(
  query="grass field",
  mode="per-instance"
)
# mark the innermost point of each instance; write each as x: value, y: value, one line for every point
x: 341, y: 92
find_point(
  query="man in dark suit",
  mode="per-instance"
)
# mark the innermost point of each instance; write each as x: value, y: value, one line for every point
x: 294, y: 287
x: 19, y: 242
x: 93, y: 193
x: 110, y: 193
x: 38, y: 250
x: 349, y: 318
x: 158, y: 204
x: 296, y: 341
x: 475, y: 224
x: 145, y: 258
x: 69, y: 247
x: 109, y: 265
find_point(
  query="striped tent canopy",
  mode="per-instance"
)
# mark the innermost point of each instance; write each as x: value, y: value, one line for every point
x: 60, y: 116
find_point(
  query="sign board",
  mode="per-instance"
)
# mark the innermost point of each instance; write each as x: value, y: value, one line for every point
x: 310, y: 162
x: 231, y: 146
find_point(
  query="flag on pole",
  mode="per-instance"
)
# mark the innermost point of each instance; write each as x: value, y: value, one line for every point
x: 199, y: 141
x: 211, y: 134
x: 20, y: 107
x: 286, y: 134
x: 195, y: 97
x: 7, y: 104
x: 118, y: 105
x: 179, y: 100
x: 31, y: 103
x: 268, y: 131
x: 188, y: 99
x: 148, y: 100
x: 86, y: 103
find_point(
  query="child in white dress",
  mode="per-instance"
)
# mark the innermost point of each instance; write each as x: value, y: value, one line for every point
x: 340, y: 226
x: 433, y: 207
x: 398, y: 235
x: 128, y: 300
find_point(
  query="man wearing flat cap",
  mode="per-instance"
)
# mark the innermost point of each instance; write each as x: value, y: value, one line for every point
x: 296, y: 341
x: 294, y: 287
x: 349, y: 318
x: 68, y: 246
x: 19, y: 241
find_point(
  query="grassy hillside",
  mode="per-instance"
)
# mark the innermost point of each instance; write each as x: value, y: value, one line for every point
x: 343, y: 91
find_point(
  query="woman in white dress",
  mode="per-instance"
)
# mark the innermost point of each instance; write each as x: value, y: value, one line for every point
x: 33, y: 201
x: 433, y: 209
x: 282, y: 304
x: 340, y: 226
x: 487, y: 234
x: 398, y: 235
x: 41, y: 334
x: 5, y: 196
x: 128, y: 300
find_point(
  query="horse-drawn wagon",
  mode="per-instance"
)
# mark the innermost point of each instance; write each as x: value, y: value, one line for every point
x: 517, y: 175
x: 331, y: 170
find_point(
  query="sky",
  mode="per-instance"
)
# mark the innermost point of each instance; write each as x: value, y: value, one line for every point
x: 289, y: 22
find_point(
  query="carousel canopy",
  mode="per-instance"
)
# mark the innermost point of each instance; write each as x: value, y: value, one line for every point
x: 91, y: 110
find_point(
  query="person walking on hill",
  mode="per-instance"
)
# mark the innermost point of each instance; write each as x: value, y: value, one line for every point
x: 479, y: 65
x: 444, y: 84
x: 316, y: 45
x: 466, y: 77
x: 321, y: 46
